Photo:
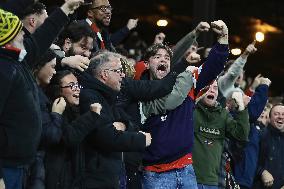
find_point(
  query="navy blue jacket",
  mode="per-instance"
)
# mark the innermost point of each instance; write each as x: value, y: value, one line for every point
x: 245, y: 168
x: 271, y: 157
x: 172, y: 133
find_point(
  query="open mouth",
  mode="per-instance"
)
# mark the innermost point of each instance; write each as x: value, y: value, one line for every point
x: 76, y: 96
x: 279, y: 122
x: 162, y: 67
x: 107, y: 18
x: 211, y: 97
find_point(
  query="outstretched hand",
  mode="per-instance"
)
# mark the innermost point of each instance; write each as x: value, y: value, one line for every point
x: 250, y: 49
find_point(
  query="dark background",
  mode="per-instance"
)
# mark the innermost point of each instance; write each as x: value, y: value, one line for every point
x: 243, y: 18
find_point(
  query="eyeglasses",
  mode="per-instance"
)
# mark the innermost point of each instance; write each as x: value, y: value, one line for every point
x: 119, y: 70
x: 104, y: 8
x: 73, y: 86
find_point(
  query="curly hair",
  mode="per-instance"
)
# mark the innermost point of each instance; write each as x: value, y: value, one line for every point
x: 152, y: 50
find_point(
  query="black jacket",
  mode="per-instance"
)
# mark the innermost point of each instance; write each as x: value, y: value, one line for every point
x: 271, y: 157
x: 20, y: 120
x: 103, y: 146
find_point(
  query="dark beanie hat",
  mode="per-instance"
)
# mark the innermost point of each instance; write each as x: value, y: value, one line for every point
x: 10, y: 26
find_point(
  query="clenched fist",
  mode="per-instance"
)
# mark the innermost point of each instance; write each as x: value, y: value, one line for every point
x: 267, y: 178
x: 70, y: 6
x: 202, y: 27
x: 220, y: 28
x: 96, y: 107
x: 132, y: 23
x: 119, y: 126
x: 59, y: 105
x: 193, y: 58
x: 159, y: 38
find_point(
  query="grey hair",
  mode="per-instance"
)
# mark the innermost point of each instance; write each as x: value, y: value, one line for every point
x: 101, y: 61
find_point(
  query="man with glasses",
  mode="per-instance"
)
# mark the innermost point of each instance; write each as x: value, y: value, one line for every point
x: 103, y: 147
x: 98, y: 18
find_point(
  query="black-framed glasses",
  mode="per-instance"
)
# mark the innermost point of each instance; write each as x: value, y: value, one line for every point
x: 119, y: 70
x: 104, y: 8
x: 73, y: 86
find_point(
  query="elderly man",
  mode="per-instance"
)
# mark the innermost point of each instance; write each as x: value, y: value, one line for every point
x: 103, y: 146
x: 271, y: 162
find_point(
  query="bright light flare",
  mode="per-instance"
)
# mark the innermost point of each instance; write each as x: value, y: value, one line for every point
x: 162, y: 23
x: 259, y: 36
x: 236, y: 51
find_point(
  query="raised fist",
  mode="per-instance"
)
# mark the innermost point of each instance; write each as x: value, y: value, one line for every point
x: 159, y: 38
x: 238, y: 97
x: 221, y: 29
x: 193, y: 58
x: 132, y: 23
x: 96, y: 107
x: 202, y: 26
x: 71, y: 5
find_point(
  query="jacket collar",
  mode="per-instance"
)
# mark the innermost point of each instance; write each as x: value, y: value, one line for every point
x: 204, y: 107
x: 90, y: 82
x: 10, y: 52
x: 275, y: 131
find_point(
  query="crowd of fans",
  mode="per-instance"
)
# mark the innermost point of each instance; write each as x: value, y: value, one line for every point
x: 79, y: 111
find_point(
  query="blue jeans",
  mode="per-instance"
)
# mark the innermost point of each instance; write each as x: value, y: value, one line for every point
x: 13, y: 178
x: 183, y: 178
x: 204, y: 186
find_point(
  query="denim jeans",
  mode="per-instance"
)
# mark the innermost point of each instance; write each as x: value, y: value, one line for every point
x: 13, y: 177
x: 183, y: 178
x: 204, y: 186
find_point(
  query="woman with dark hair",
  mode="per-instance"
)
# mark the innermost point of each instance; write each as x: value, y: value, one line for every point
x: 51, y: 117
x: 53, y: 165
x: 63, y: 157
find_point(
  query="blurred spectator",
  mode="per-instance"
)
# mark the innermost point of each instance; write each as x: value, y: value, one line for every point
x: 270, y: 166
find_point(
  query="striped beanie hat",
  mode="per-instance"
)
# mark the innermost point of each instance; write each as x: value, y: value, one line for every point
x: 10, y: 26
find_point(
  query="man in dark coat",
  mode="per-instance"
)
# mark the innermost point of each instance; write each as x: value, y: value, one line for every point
x: 20, y: 120
x: 101, y: 84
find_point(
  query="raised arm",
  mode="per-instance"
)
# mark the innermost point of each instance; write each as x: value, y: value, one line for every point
x: 228, y: 80
x: 180, y: 90
x: 182, y: 45
x: 145, y: 90
x: 41, y: 40
x: 218, y: 55
x: 238, y: 128
x: 258, y: 100
x: 121, y: 34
